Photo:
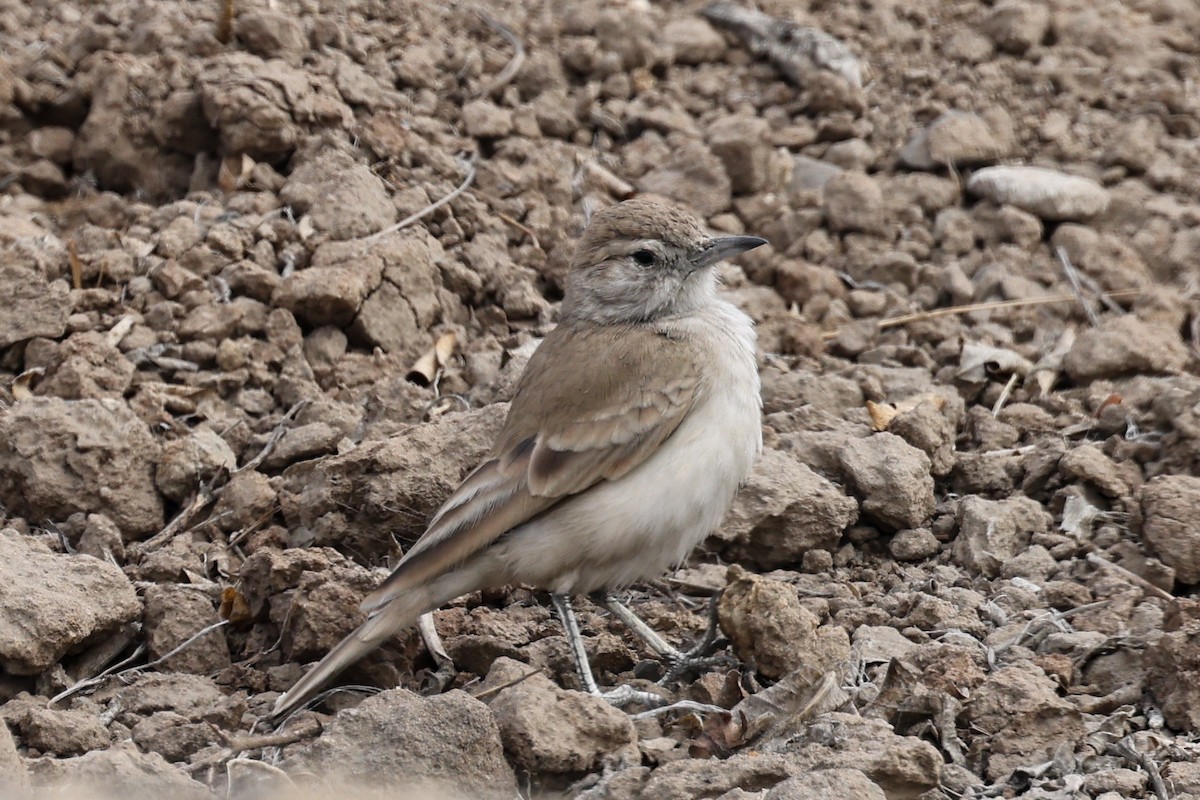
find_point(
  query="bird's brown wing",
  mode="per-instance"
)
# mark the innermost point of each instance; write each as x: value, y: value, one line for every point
x: 592, y: 404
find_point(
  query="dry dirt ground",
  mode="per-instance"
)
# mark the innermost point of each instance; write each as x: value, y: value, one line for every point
x: 966, y: 565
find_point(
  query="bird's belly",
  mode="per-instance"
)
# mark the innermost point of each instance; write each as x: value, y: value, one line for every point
x: 623, y: 531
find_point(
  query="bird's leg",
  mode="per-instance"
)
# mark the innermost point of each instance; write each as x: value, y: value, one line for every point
x: 678, y: 661
x: 620, y: 696
x: 436, y: 681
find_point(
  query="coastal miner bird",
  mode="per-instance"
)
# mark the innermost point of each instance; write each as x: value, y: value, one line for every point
x: 631, y: 428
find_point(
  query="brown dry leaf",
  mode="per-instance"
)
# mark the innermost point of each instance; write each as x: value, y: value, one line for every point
x: 796, y: 698
x: 1045, y: 372
x: 882, y: 414
x: 22, y: 385
x: 427, y: 367
x: 719, y: 736
x: 1111, y: 400
x: 235, y: 607
x: 305, y: 228
x: 234, y: 171
x: 979, y: 362
x: 75, y: 264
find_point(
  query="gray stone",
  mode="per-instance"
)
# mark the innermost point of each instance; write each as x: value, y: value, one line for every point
x: 51, y: 603
x: 1045, y: 193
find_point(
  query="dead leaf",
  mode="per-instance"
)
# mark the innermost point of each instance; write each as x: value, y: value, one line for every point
x: 233, y: 172
x: 22, y: 385
x: 796, y: 698
x: 117, y: 332
x: 427, y: 367
x: 1111, y: 400
x: 305, y: 228
x: 882, y: 414
x: 235, y: 607
x: 1045, y: 372
x: 979, y: 362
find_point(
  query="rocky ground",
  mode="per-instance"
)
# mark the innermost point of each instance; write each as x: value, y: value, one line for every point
x: 966, y: 565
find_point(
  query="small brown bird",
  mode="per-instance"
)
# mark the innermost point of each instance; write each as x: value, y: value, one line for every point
x: 631, y: 428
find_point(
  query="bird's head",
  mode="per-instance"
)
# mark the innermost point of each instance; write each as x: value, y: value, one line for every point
x: 640, y: 260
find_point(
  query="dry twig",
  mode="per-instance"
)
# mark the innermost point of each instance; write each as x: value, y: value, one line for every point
x: 504, y: 76
x: 921, y: 316
x: 427, y: 210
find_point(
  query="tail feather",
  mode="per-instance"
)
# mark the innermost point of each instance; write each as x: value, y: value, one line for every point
x: 387, y: 620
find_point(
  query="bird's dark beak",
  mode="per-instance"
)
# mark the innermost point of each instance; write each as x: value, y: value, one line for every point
x: 724, y: 247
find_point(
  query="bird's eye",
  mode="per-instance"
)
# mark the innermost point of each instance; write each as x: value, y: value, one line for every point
x: 643, y: 257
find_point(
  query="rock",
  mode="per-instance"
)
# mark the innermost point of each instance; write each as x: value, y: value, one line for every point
x: 52, y: 603
x: 175, y: 613
x: 345, y: 500
x: 88, y: 366
x: 341, y: 196
x: 879, y: 644
x: 303, y: 442
x: 398, y: 314
x: 483, y: 119
x: 194, y: 697
x: 1167, y: 507
x: 691, y: 175
x: 931, y: 430
x: 890, y: 477
x: 914, y: 544
x: 548, y: 729
x: 444, y: 744
x: 957, y: 138
x: 14, y: 778
x: 1108, y: 258
x: 1036, y: 721
x: 246, y: 501
x: 782, y: 511
x: 333, y: 287
x: 809, y: 174
x: 1089, y: 463
x: 853, y: 201
x: 1046, y: 193
x: 1017, y: 26
x: 693, y: 41
x: 261, y: 108
x: 992, y: 531
x: 742, y: 144
x: 845, y: 784
x: 33, y: 305
x: 117, y: 142
x: 902, y: 766
x: 1184, y: 776
x: 172, y: 735
x: 1124, y: 782
x: 270, y: 34
x: 58, y: 457
x: 1124, y: 345
x: 53, y: 143
x: 692, y: 778
x: 771, y: 630
x: 119, y: 773
x: 62, y: 733
x: 186, y: 463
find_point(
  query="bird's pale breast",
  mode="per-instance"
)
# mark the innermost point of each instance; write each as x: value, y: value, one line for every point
x: 623, y: 531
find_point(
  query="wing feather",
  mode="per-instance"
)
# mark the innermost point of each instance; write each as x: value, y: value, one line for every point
x: 566, y: 431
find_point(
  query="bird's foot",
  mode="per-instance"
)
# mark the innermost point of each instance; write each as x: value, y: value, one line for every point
x: 625, y: 694
x: 700, y: 658
x: 694, y: 660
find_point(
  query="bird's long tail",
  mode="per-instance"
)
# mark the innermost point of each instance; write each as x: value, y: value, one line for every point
x: 387, y: 620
